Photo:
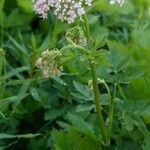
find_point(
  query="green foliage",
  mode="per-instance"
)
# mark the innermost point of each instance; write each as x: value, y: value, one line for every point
x: 73, y: 140
x: 26, y: 5
x: 59, y: 113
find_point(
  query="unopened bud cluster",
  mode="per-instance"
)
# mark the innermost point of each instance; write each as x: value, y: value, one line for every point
x: 49, y: 63
x: 90, y: 83
x: 76, y: 35
x: 65, y: 10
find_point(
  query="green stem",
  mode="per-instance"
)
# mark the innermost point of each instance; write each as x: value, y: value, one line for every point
x: 97, y: 101
x: 109, y: 94
x: 111, y: 115
x: 74, y: 46
x: 95, y: 86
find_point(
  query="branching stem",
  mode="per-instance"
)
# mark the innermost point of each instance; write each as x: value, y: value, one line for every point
x: 97, y: 99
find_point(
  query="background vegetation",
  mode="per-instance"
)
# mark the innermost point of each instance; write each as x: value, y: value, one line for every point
x: 35, y: 112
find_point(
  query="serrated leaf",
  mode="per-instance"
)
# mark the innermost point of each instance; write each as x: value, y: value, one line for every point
x: 81, y: 125
x: 83, y: 91
x: 85, y: 108
x: 100, y: 41
x: 54, y: 113
x: 131, y: 113
x: 80, y: 96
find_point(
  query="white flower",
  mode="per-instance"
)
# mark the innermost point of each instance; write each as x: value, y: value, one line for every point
x: 49, y: 63
x: 88, y: 2
x: 42, y: 8
x: 65, y: 10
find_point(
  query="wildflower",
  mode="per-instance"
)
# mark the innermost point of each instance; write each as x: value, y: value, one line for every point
x: 76, y: 35
x: 65, y: 10
x: 120, y: 2
x: 49, y: 63
x: 42, y: 8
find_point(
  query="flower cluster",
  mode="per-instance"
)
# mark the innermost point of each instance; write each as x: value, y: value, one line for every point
x: 42, y: 8
x: 120, y: 2
x: 65, y: 10
x: 76, y: 35
x: 49, y: 63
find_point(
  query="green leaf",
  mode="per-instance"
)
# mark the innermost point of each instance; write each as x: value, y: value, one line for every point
x: 1, y: 4
x: 85, y: 108
x: 84, y: 91
x: 35, y: 94
x: 139, y: 89
x: 13, y: 72
x: 131, y: 113
x: 119, y: 56
x: 73, y: 140
x: 146, y: 144
x: 101, y: 57
x: 100, y: 40
x: 26, y: 5
x: 54, y: 113
x: 2, y: 58
x: 45, y: 43
x: 11, y: 21
x: 88, y: 143
x: 1, y: 12
x: 13, y: 99
x: 81, y: 125
x: 60, y: 140
x: 59, y: 80
x: 21, y: 48
x: 3, y: 116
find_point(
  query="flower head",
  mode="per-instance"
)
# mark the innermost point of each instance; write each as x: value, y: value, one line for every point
x: 42, y: 8
x: 49, y: 63
x: 76, y: 35
x: 65, y: 10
